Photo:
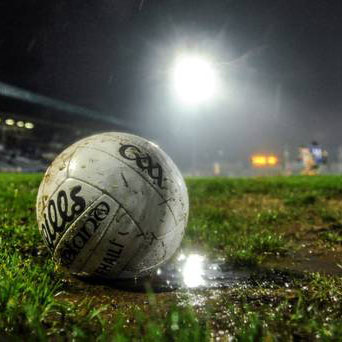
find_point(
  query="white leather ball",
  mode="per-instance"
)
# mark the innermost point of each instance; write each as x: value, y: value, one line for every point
x: 112, y: 205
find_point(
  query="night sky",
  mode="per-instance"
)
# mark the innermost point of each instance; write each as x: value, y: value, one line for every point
x: 280, y: 63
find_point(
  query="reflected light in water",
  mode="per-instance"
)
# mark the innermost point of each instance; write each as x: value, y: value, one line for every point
x: 193, y: 271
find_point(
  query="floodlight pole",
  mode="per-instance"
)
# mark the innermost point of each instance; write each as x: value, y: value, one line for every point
x: 194, y: 79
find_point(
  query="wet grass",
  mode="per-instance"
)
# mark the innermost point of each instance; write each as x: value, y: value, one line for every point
x: 281, y: 228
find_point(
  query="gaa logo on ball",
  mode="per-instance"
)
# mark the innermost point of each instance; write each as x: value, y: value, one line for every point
x: 112, y: 205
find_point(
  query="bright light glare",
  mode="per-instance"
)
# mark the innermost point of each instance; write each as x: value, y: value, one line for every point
x: 193, y: 271
x: 9, y: 122
x: 20, y: 124
x: 194, y: 80
x: 29, y: 125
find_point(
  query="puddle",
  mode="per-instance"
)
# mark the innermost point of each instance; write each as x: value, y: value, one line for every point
x: 194, y: 272
x: 191, y: 271
x: 307, y: 261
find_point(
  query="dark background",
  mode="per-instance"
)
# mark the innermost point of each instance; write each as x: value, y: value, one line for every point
x: 280, y: 65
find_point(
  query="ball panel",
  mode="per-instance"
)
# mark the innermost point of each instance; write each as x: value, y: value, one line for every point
x: 66, y: 204
x: 54, y: 177
x: 138, y: 153
x: 146, y: 206
x: 84, y: 234
x: 145, y: 161
x: 173, y: 186
x: 120, y: 243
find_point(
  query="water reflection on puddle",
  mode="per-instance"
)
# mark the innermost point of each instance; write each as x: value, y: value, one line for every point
x: 195, y: 271
x: 189, y: 271
x: 192, y: 271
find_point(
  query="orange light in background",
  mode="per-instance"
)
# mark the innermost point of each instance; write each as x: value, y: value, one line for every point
x: 264, y: 160
x: 259, y: 160
x: 272, y: 160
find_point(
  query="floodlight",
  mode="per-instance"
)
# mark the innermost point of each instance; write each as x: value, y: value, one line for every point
x: 194, y: 79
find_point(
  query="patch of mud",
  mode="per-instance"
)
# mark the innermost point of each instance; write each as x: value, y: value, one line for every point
x: 318, y: 239
x: 307, y: 260
x: 332, y: 203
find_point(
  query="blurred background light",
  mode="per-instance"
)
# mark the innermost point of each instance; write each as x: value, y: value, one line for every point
x: 264, y: 160
x: 20, y: 124
x: 29, y: 125
x: 259, y: 160
x: 272, y: 160
x: 10, y: 122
